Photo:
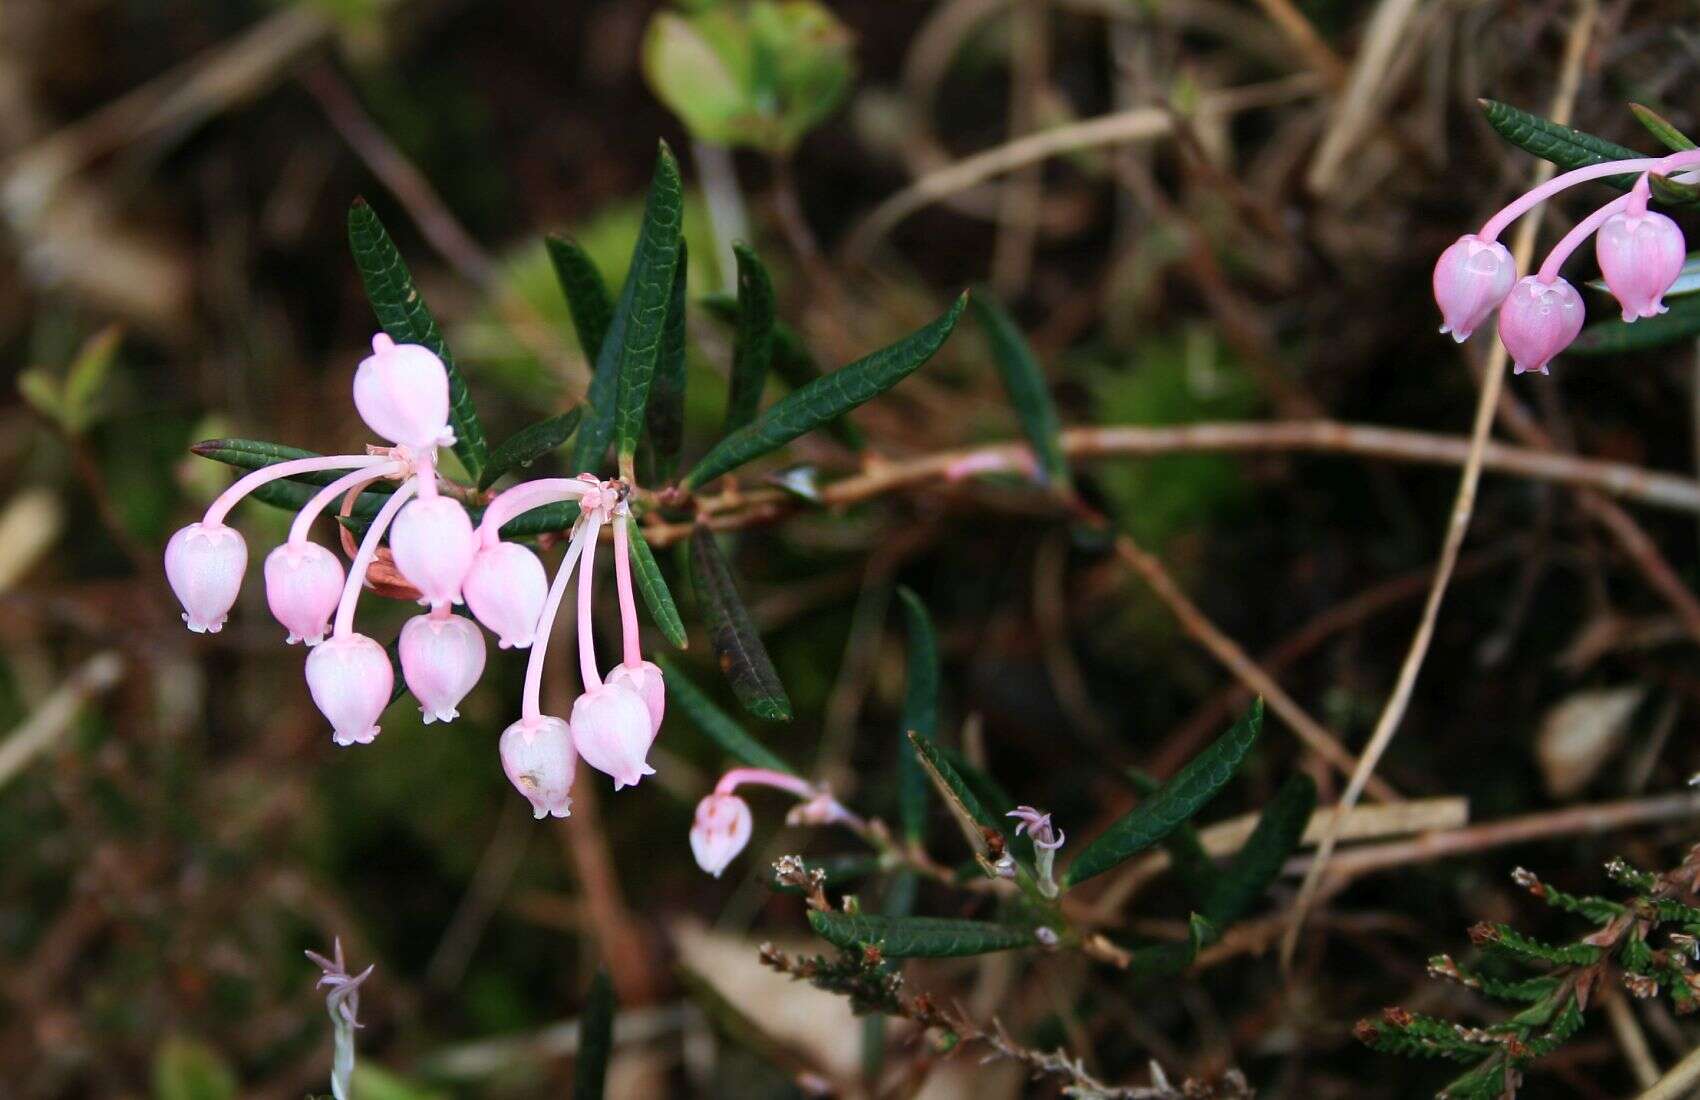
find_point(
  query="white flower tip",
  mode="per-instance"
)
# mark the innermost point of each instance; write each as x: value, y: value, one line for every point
x: 364, y: 737
x: 1458, y: 337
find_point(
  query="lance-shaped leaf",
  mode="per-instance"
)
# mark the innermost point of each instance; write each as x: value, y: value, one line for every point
x: 529, y: 444
x: 590, y: 446
x: 1569, y: 148
x: 716, y: 724
x: 1193, y: 866
x: 752, y: 345
x: 1661, y: 128
x: 737, y: 645
x: 1175, y: 801
x: 971, y: 814
x: 402, y: 313
x: 792, y: 362
x: 291, y: 493
x: 920, y: 712
x: 1259, y: 861
x: 588, y: 300
x: 595, y: 1039
x: 1025, y: 383
x: 919, y: 937
x: 665, y: 421
x: 654, y: 259
x: 827, y: 397
x: 1614, y: 337
x: 646, y: 572
x: 551, y: 519
x: 1165, y: 959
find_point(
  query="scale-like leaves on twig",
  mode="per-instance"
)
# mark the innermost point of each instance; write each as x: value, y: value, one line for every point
x: 588, y: 300
x: 1259, y: 861
x: 402, y: 314
x: 752, y: 345
x: 646, y: 572
x: 737, y: 645
x: 828, y: 397
x: 595, y: 1039
x: 529, y: 444
x: 1615, y: 336
x: 1173, y: 803
x: 716, y: 724
x: 665, y: 421
x: 654, y: 259
x: 920, y: 712
x: 919, y: 937
x: 1570, y: 148
x: 1660, y: 127
x: 1025, y: 383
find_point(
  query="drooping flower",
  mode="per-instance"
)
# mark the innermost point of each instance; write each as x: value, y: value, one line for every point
x: 1640, y: 255
x: 644, y: 679
x: 402, y: 393
x: 505, y: 588
x: 538, y: 757
x: 434, y: 545
x: 720, y: 831
x: 303, y: 584
x: 1471, y: 278
x: 1538, y: 320
x: 442, y: 657
x: 204, y: 563
x: 612, y: 732
x: 350, y: 679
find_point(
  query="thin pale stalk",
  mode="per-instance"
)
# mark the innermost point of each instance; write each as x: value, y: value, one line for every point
x: 633, y: 645
x: 294, y: 467
x: 354, y: 482
x: 531, y: 704
x: 586, y: 635
x: 363, y: 557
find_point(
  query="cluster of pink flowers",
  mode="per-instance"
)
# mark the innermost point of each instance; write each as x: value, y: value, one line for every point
x: 1640, y: 253
x: 402, y: 393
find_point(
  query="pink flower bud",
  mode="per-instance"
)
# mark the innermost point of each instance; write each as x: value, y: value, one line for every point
x: 645, y: 680
x: 434, y: 544
x: 350, y: 679
x: 441, y: 660
x: 611, y: 732
x: 1471, y: 278
x: 402, y: 392
x: 1539, y: 320
x: 720, y: 831
x: 1640, y: 255
x: 205, y: 565
x: 505, y: 588
x: 303, y: 585
x: 538, y: 756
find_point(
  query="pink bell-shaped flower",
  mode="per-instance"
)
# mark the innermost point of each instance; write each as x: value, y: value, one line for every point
x: 1471, y: 278
x: 611, y: 732
x: 441, y: 660
x: 538, y: 757
x: 505, y: 587
x: 1640, y: 255
x: 434, y: 544
x: 350, y: 679
x: 402, y: 392
x: 720, y: 831
x: 205, y: 563
x: 1539, y: 320
x: 303, y: 584
x: 645, y: 680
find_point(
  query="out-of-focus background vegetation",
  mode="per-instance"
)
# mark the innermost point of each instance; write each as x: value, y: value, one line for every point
x: 175, y: 824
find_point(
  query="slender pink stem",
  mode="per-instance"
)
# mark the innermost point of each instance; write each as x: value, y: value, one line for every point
x: 425, y: 467
x: 357, y: 480
x: 765, y: 777
x: 531, y: 707
x: 1572, y: 240
x: 251, y: 481
x: 363, y: 557
x: 523, y: 498
x: 1495, y: 225
x: 623, y: 578
x: 586, y: 586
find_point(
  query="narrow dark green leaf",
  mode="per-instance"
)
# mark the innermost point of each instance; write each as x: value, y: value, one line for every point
x: 1167, y: 959
x: 1569, y: 148
x: 1025, y: 383
x: 920, y: 712
x: 291, y: 493
x: 1660, y: 127
x: 826, y: 398
x: 665, y: 429
x: 653, y: 587
x: 957, y: 792
x: 1259, y: 861
x: 1616, y: 336
x: 737, y: 646
x: 529, y: 444
x: 402, y: 313
x: 994, y: 798
x: 919, y: 937
x: 792, y: 362
x: 595, y: 1039
x: 1193, y: 865
x: 588, y: 300
x: 292, y: 496
x: 590, y: 446
x: 752, y: 348
x: 1175, y: 802
x: 548, y: 520
x: 716, y: 724
x: 654, y: 259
